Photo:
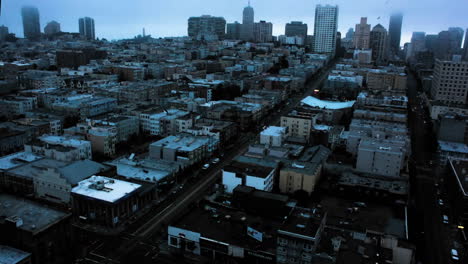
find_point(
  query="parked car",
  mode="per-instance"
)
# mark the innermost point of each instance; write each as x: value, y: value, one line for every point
x: 216, y: 160
x: 441, y: 202
x: 445, y: 219
x: 206, y: 166
x: 454, y: 254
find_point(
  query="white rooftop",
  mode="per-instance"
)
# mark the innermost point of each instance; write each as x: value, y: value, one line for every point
x: 315, y: 102
x: 17, y: 159
x: 104, y: 188
x: 274, y: 131
x: 453, y: 147
x: 67, y: 141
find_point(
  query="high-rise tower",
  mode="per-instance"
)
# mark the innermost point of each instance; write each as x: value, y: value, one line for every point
x: 86, y: 25
x: 31, y: 24
x: 325, y: 28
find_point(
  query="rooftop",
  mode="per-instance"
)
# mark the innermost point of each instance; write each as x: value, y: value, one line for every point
x: 453, y: 147
x: 248, y: 169
x: 274, y: 131
x: 105, y: 189
x: 315, y: 102
x: 29, y: 216
x: 154, y: 170
x: 182, y: 143
x: 304, y: 222
x: 17, y: 159
x: 9, y: 255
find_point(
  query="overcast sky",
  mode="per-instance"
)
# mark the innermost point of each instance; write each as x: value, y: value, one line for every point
x: 117, y: 19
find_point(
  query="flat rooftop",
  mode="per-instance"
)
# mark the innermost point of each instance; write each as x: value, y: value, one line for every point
x: 315, y: 102
x: 34, y: 216
x: 273, y: 131
x: 9, y: 255
x: 182, y: 143
x: 304, y: 222
x: 17, y: 159
x: 105, y: 189
x: 249, y: 169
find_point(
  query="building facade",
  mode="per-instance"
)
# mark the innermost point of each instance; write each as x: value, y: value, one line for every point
x: 207, y: 28
x: 362, y: 34
x: 86, y: 27
x: 52, y: 27
x: 450, y: 83
x: 325, y: 28
x: 31, y: 24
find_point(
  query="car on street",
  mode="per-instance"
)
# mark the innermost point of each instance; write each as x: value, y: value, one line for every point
x: 454, y: 254
x: 441, y: 202
x: 445, y: 219
x: 206, y: 166
x: 216, y: 160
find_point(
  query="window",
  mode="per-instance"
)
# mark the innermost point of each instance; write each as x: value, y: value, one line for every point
x: 174, y: 241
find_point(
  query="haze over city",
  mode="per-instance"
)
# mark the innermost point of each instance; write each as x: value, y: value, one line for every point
x: 125, y: 19
x: 239, y: 132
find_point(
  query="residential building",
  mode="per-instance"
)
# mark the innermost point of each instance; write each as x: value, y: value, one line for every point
x: 109, y: 203
x: 183, y: 148
x: 263, y: 31
x: 465, y: 45
x: 42, y: 231
x: 163, y: 123
x: 385, y: 80
x: 381, y: 157
x: 247, y: 174
x: 299, y: 123
x: 273, y: 136
x: 363, y: 56
x: 325, y: 28
x: 379, y: 43
x: 394, y: 32
x: 304, y: 173
x: 207, y: 28
x: 296, y: 29
x: 362, y: 35
x: 52, y: 28
x: 63, y: 148
x: 300, y: 235
x: 87, y: 28
x: 450, y: 83
x: 31, y: 24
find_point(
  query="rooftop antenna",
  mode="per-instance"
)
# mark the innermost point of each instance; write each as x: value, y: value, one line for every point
x: 144, y: 32
x: 249, y: 2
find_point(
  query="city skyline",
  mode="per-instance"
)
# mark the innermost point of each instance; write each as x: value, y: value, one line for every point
x: 164, y: 19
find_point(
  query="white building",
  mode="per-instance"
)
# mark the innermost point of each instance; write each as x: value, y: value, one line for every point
x: 381, y: 157
x: 163, y: 123
x: 273, y: 136
x: 63, y: 148
x: 326, y: 23
x: 252, y: 175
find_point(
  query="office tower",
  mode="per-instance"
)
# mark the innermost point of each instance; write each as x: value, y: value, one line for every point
x: 362, y: 34
x: 449, y: 84
x: 431, y: 42
x: 3, y: 33
x: 31, y: 24
x: 248, y: 18
x: 418, y: 42
x: 379, y: 43
x: 207, y: 27
x: 87, y: 28
x: 326, y: 23
x: 456, y: 39
x: 394, y: 32
x: 52, y: 27
x: 448, y: 43
x: 296, y: 28
x: 263, y: 31
x: 350, y: 34
x: 233, y: 30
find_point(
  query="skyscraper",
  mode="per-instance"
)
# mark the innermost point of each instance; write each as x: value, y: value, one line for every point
x: 418, y: 42
x: 207, y: 27
x: 431, y: 42
x: 296, y: 28
x: 326, y: 23
x: 448, y: 85
x: 350, y: 34
x: 394, y: 32
x: 86, y: 25
x: 263, y: 31
x: 362, y: 34
x: 3, y: 33
x: 52, y: 27
x: 379, y: 43
x: 233, y: 30
x: 248, y: 20
x: 31, y: 24
x: 448, y: 43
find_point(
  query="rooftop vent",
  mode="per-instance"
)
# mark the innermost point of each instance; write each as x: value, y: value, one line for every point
x: 301, y: 226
